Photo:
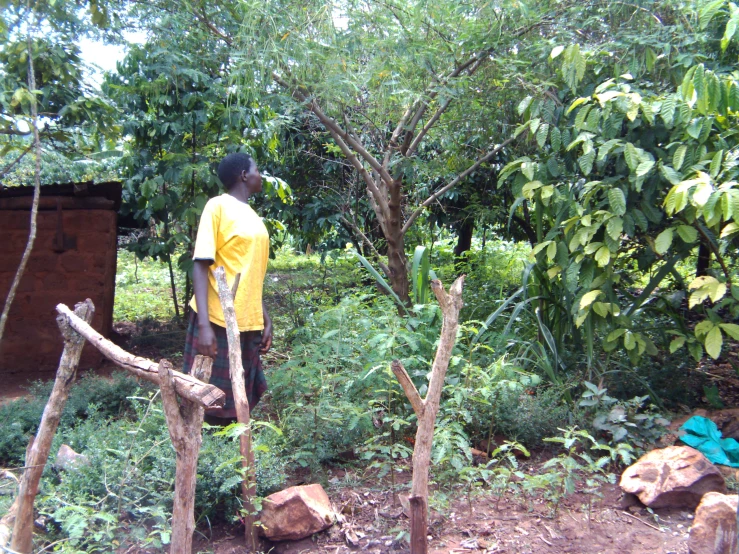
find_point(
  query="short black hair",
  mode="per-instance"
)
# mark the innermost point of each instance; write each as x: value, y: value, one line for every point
x: 231, y: 167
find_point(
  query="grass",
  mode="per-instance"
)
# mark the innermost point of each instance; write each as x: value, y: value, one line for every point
x: 142, y: 289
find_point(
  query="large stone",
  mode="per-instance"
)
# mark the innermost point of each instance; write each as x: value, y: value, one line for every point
x: 67, y: 459
x: 714, y: 530
x: 676, y: 476
x: 296, y: 513
x: 728, y: 422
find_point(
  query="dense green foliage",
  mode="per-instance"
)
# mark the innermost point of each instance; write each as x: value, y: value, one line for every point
x: 124, y: 493
x: 577, y: 160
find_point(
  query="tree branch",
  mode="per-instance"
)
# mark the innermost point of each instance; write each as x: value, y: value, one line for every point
x: 339, y: 134
x: 368, y: 242
x: 14, y: 132
x: 15, y: 162
x: 408, y: 387
x: 212, y: 28
x: 394, y: 138
x: 335, y: 128
x: 716, y: 252
x: 187, y: 386
x: 38, y: 454
x: 426, y: 128
x: 431, y: 199
x: 241, y: 402
x: 474, y: 62
x: 36, y: 195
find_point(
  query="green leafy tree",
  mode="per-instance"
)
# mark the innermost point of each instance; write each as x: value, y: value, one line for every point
x: 75, y: 118
x: 385, y: 80
x: 180, y: 117
x: 626, y: 185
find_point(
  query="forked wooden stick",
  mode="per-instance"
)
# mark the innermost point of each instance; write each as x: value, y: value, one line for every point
x: 185, y: 424
x: 426, y: 409
x: 38, y: 454
x: 248, y: 485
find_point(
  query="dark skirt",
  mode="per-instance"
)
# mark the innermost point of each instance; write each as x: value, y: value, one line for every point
x: 256, y: 383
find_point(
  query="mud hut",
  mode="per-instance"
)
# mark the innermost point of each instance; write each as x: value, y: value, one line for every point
x: 74, y: 257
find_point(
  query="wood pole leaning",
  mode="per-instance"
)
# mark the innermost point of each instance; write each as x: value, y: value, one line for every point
x: 185, y: 424
x: 238, y: 384
x: 187, y: 386
x: 426, y: 409
x: 38, y: 454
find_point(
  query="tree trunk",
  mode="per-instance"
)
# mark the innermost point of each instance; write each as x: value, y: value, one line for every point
x: 185, y: 423
x: 36, y: 194
x: 39, y: 453
x: 704, y: 260
x: 173, y: 287
x: 465, y: 230
x: 427, y: 409
x: 248, y: 485
x: 395, y: 237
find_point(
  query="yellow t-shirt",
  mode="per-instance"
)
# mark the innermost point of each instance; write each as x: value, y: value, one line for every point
x: 234, y: 236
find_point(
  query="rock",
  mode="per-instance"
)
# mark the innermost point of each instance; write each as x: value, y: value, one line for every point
x: 728, y: 422
x: 729, y: 472
x: 296, y: 513
x: 67, y: 459
x: 676, y: 476
x: 714, y: 530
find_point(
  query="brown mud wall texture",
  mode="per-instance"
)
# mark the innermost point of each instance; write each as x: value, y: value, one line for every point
x: 73, y: 258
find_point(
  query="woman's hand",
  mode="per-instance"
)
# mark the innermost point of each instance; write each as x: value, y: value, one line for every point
x: 207, y: 344
x: 267, y: 333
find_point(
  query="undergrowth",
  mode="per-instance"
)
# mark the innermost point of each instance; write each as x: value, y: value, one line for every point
x: 123, y: 495
x: 334, y: 400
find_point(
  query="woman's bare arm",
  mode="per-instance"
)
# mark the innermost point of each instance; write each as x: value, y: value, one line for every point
x: 207, y: 345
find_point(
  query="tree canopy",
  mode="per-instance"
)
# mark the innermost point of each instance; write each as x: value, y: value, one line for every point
x: 600, y: 132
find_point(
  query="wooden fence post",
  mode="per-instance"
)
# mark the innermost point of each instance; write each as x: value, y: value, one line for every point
x: 185, y: 423
x: 39, y: 452
x: 426, y: 409
x: 248, y: 485
x: 187, y: 386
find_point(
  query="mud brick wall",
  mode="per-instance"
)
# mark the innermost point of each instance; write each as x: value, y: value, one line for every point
x: 32, y: 344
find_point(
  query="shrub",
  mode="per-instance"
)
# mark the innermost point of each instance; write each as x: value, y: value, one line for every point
x: 109, y: 396
x: 125, y: 493
x: 531, y: 416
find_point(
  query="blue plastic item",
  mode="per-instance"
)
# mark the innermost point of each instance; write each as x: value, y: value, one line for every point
x: 703, y: 435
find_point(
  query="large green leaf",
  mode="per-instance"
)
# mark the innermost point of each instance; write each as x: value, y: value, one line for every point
x: 603, y: 256
x: 663, y: 241
x: 713, y: 342
x: 644, y: 167
x: 679, y: 156
x: 492, y: 317
x: 420, y: 275
x: 617, y: 201
x: 708, y: 11
x: 589, y: 297
x: 586, y: 162
x: 687, y: 233
x: 731, y: 329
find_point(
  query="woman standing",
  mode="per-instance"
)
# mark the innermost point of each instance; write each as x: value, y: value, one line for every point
x: 231, y: 235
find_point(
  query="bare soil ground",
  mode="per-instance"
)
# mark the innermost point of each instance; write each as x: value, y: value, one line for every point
x: 374, y: 521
